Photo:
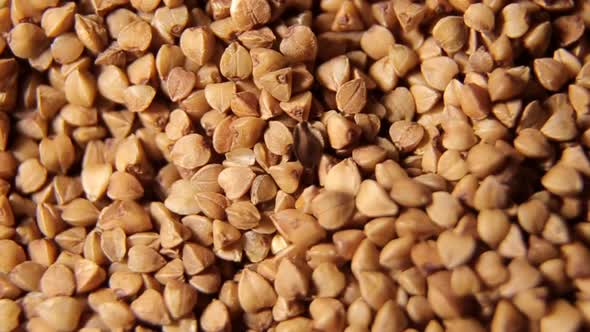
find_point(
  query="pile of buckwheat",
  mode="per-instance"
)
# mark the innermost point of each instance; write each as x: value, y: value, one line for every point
x: 294, y: 165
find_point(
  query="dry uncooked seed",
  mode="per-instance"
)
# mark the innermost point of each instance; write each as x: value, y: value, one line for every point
x: 299, y: 43
x: 377, y: 41
x: 450, y: 33
x: 179, y: 83
x: 265, y: 165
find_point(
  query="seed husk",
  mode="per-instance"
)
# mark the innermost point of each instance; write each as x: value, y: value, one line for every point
x: 307, y: 147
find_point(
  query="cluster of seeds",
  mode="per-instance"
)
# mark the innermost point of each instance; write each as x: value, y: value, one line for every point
x: 294, y: 165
